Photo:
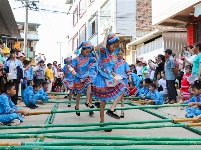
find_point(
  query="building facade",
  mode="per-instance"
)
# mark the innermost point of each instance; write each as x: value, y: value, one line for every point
x: 89, y: 20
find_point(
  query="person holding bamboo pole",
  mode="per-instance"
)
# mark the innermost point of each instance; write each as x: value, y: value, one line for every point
x: 9, y: 112
x: 194, y: 103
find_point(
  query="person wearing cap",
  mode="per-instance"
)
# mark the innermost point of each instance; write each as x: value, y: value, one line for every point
x: 170, y: 77
x: 39, y: 71
x: 14, y: 72
x: 21, y: 57
x: 82, y: 80
x: 49, y: 76
x: 68, y: 78
x: 106, y: 87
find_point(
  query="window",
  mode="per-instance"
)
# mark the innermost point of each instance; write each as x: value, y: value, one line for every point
x: 75, y: 17
x: 75, y: 42
x: 82, y: 33
x: 82, y: 8
x: 93, y: 26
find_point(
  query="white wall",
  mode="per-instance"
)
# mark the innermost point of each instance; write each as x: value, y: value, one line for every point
x: 163, y: 9
x: 126, y: 17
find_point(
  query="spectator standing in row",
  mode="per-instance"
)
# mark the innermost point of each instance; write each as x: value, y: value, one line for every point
x: 170, y: 76
x: 197, y: 61
x: 49, y: 76
x: 40, y: 71
x: 139, y: 68
x: 160, y: 60
x: 14, y: 72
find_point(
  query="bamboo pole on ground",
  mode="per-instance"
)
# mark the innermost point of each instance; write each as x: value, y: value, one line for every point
x: 119, y: 108
x: 85, y: 147
x: 105, y: 123
x: 98, y: 129
x: 104, y: 143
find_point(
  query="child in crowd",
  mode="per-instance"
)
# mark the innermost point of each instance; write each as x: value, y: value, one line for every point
x: 132, y: 89
x: 105, y: 87
x: 195, y: 101
x: 139, y: 89
x: 145, y: 89
x: 122, y: 70
x: 9, y: 112
x: 68, y: 78
x: 162, y: 88
x: 82, y: 80
x: 26, y: 74
x: 136, y: 80
x: 31, y: 97
x: 29, y: 87
x: 156, y: 97
x: 185, y: 85
x: 43, y: 92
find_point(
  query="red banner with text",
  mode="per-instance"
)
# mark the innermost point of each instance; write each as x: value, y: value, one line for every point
x: 190, y: 35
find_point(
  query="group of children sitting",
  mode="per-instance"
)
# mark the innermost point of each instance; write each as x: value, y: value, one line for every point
x: 33, y: 94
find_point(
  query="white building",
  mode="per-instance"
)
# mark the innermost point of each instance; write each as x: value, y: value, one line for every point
x: 89, y: 18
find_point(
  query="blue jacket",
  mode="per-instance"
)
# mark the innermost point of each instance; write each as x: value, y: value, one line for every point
x: 136, y: 80
x: 156, y: 96
x: 6, y: 105
x: 194, y: 99
x: 31, y: 97
x: 43, y: 95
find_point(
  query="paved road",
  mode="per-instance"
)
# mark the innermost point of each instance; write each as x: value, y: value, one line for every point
x: 130, y: 115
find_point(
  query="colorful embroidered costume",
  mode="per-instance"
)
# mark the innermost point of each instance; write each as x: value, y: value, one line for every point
x: 93, y: 67
x: 185, y: 94
x: 122, y: 68
x: 7, y: 109
x: 105, y: 86
x: 156, y: 96
x: 68, y: 76
x: 190, y: 111
x: 81, y: 65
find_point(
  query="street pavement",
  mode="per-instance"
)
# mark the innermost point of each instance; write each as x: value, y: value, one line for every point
x: 130, y: 115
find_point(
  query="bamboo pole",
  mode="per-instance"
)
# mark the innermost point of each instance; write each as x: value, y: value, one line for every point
x: 102, y: 137
x: 85, y: 124
x: 97, y: 129
x: 100, y: 143
x: 119, y: 108
x: 184, y: 119
x: 10, y: 143
x: 84, y: 147
x: 81, y: 102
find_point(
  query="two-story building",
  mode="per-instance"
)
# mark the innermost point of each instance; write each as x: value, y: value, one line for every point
x: 88, y: 20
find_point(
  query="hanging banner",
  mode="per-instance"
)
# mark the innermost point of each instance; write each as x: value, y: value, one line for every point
x: 190, y: 35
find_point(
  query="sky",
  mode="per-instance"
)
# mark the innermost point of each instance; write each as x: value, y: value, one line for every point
x: 53, y: 28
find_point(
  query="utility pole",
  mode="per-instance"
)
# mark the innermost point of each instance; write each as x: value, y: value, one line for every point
x: 26, y: 27
x: 60, y: 50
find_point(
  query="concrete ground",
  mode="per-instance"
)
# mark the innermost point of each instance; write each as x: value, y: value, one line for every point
x: 130, y: 115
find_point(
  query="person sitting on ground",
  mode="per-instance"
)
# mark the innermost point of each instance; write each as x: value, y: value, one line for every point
x: 43, y: 92
x: 31, y: 97
x: 195, y: 101
x: 156, y: 97
x: 9, y: 112
x: 29, y: 86
x: 136, y: 80
x: 145, y: 89
x: 132, y: 89
x: 139, y: 89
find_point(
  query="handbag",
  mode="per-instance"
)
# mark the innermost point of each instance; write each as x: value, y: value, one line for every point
x: 111, y: 82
